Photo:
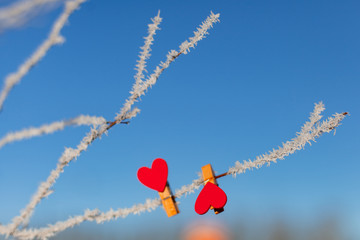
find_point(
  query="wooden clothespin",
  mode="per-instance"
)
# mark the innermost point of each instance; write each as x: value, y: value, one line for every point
x: 156, y: 179
x: 209, y: 176
x: 168, y: 201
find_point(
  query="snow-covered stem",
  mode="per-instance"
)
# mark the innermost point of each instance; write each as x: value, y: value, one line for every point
x: 315, y: 116
x: 140, y: 89
x: 126, y: 113
x: 19, y: 12
x: 190, y: 188
x: 68, y: 155
x: 89, y: 215
x: 313, y: 131
x: 54, y: 38
x: 145, y: 53
x: 50, y: 128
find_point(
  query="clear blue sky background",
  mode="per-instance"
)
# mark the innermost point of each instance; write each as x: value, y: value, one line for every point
x: 246, y: 88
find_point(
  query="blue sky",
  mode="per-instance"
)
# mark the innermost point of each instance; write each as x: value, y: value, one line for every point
x: 246, y: 88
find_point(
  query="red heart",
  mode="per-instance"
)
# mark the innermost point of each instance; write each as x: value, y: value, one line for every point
x: 210, y: 195
x: 154, y: 177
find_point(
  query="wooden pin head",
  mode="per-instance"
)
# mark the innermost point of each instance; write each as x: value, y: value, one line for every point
x: 209, y: 176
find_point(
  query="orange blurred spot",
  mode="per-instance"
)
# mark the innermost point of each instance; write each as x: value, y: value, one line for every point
x: 205, y: 230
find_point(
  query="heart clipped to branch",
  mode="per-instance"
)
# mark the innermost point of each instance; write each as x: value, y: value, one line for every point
x: 210, y: 196
x: 154, y: 177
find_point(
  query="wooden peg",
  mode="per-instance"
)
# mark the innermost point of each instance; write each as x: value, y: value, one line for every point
x: 209, y: 176
x: 168, y: 201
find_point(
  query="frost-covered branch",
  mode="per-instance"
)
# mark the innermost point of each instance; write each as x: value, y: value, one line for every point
x: 145, y: 53
x: 139, y: 90
x: 54, y: 38
x: 125, y: 113
x: 309, y: 132
x: 68, y: 155
x: 89, y: 215
x: 50, y: 128
x: 19, y: 12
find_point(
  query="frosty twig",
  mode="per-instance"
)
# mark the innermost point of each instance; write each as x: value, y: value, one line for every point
x: 309, y: 132
x: 125, y: 113
x: 54, y: 38
x: 50, y: 128
x: 139, y: 90
x: 145, y: 53
x: 20, y: 11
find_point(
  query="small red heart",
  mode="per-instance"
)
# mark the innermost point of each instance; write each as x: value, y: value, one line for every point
x: 210, y: 195
x: 154, y: 177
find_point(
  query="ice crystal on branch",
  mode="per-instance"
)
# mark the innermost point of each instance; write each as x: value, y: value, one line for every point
x: 303, y: 137
x: 50, y: 128
x: 53, y: 39
x: 126, y: 112
x: 310, y: 131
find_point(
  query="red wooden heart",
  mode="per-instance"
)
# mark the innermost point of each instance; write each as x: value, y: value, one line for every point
x: 210, y: 195
x: 154, y: 177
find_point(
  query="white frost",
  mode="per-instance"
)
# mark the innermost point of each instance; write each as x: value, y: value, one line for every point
x: 310, y: 131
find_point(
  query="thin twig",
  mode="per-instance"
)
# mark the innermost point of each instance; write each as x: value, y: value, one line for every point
x: 19, y: 12
x: 54, y: 38
x: 50, y: 128
x: 99, y: 217
x: 125, y: 113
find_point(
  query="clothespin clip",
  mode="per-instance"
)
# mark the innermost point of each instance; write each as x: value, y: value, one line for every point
x: 156, y: 179
x: 209, y: 176
x: 168, y: 201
